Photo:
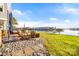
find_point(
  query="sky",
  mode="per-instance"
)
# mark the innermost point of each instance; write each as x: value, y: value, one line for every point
x: 61, y: 15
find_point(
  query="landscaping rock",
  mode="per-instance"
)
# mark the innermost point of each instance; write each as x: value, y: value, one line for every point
x: 24, y: 48
x: 28, y: 51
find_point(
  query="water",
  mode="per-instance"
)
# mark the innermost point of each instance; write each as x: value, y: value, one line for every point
x: 66, y: 32
x: 70, y: 32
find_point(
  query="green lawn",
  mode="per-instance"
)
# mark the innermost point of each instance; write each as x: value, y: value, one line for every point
x: 61, y: 45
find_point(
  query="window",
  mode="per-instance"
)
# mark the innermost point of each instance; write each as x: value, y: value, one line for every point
x: 1, y: 7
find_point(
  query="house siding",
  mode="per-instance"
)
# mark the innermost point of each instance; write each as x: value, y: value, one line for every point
x: 4, y: 14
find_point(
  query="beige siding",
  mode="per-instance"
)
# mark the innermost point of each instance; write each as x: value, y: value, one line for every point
x: 4, y: 13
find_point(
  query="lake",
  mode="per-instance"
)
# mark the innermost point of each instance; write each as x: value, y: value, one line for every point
x: 70, y: 32
x: 67, y: 32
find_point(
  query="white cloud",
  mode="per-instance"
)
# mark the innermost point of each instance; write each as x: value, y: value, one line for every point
x: 18, y: 12
x: 67, y: 21
x: 29, y: 23
x: 71, y: 10
x: 51, y: 24
x: 22, y: 15
x: 53, y: 19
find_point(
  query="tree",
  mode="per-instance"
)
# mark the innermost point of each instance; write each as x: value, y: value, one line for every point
x: 59, y: 30
x: 14, y: 20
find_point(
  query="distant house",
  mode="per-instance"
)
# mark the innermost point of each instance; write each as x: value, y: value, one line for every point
x: 5, y: 9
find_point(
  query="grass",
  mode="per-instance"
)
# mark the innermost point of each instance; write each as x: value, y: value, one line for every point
x: 61, y: 45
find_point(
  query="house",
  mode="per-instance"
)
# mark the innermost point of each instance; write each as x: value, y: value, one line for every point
x: 5, y: 10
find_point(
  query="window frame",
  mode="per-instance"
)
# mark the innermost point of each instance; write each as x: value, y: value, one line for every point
x: 1, y: 8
